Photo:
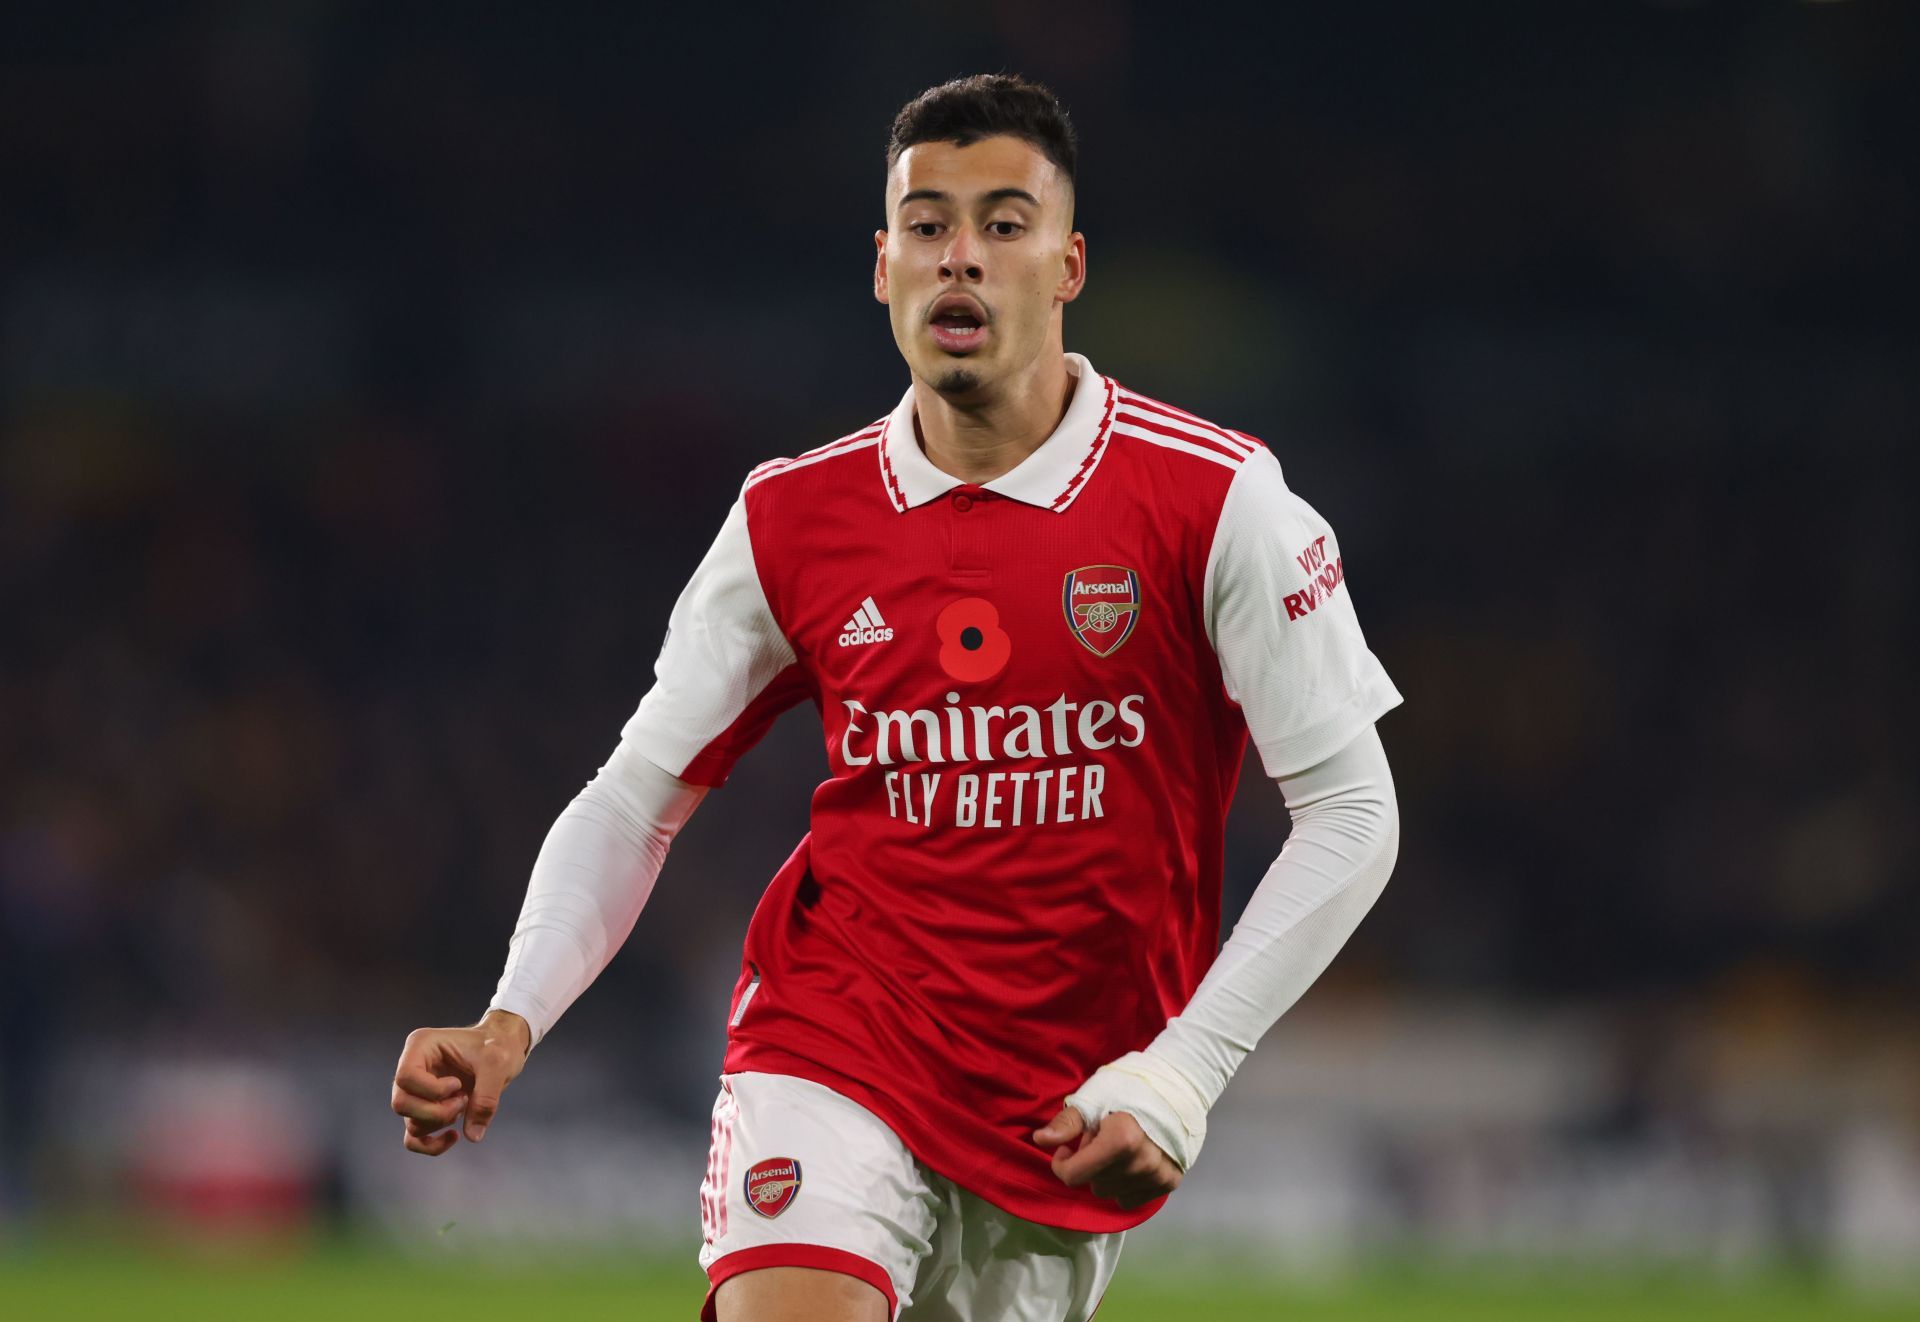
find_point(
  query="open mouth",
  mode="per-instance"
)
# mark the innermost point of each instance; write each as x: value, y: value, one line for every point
x: 958, y: 328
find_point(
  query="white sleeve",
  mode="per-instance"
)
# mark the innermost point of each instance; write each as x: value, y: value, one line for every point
x: 592, y: 876
x: 725, y: 671
x: 1281, y: 620
x: 1346, y: 834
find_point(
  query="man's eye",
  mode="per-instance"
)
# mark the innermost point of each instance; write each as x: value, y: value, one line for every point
x: 1006, y: 229
x: 925, y: 228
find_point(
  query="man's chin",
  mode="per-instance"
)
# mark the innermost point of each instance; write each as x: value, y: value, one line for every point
x: 956, y: 381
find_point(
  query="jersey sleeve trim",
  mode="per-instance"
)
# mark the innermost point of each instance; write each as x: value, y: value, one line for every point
x: 1309, y: 747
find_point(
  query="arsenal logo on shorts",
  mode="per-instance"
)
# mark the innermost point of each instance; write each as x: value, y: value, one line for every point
x: 771, y: 1185
x: 1102, y: 604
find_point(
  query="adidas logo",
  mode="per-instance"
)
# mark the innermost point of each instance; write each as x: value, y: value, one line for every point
x: 866, y: 626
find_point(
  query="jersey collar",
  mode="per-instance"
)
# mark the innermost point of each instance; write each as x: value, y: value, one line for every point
x: 1051, y: 477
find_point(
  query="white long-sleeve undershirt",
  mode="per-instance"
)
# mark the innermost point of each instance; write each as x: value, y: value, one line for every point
x: 599, y: 862
x: 593, y: 875
x: 1345, y: 837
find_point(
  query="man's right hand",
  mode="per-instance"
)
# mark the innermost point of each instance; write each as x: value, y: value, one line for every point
x: 446, y: 1071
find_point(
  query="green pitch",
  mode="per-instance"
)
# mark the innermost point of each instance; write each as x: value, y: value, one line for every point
x: 72, y: 1279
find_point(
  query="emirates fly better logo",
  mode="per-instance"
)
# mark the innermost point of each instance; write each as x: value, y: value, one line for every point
x: 1102, y: 603
x: 1014, y: 772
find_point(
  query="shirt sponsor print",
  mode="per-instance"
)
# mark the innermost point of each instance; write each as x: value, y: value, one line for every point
x: 1102, y: 603
x: 1323, y: 576
x: 962, y: 732
x: 772, y: 1184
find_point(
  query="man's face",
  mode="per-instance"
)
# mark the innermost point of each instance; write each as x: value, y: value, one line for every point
x: 977, y: 258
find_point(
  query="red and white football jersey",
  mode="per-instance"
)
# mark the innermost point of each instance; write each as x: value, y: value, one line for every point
x: 1036, y: 693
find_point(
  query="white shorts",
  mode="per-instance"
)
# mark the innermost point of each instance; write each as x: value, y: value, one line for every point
x: 799, y: 1176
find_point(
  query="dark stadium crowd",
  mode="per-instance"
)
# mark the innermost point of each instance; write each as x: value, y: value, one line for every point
x: 364, y: 406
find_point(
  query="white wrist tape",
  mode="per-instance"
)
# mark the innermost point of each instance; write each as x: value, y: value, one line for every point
x: 1170, y: 1110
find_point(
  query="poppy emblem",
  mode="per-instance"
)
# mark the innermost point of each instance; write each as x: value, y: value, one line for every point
x: 973, y: 646
x: 771, y: 1185
x: 1102, y: 603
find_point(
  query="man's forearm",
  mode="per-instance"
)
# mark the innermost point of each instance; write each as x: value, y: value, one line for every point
x: 1345, y: 838
x: 1333, y: 867
x: 593, y: 875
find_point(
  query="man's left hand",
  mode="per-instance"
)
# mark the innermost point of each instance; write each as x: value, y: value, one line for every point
x: 1118, y: 1160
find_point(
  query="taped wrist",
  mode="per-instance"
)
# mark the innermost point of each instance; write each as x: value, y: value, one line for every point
x: 1170, y: 1111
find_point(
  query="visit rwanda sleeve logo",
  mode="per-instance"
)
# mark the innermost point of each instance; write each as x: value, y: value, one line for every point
x: 1102, y: 603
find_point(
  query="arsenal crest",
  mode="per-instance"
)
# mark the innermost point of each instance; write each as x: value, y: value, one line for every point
x: 1102, y: 604
x: 771, y: 1185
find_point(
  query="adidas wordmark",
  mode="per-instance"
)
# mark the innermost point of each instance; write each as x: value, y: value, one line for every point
x: 866, y: 626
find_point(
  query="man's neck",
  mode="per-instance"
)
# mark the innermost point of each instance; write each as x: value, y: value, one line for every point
x: 977, y: 442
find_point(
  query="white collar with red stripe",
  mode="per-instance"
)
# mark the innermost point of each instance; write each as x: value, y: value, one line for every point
x: 1051, y: 477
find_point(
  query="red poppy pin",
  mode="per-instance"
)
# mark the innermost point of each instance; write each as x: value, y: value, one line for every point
x: 973, y: 646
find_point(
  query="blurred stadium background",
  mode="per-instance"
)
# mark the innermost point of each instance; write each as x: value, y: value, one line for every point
x: 372, y: 377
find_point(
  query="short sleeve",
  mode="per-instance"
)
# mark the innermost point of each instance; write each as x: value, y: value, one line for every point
x: 725, y: 671
x: 1281, y: 620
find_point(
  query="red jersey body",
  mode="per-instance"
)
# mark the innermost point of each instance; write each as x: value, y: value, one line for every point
x: 1013, y: 872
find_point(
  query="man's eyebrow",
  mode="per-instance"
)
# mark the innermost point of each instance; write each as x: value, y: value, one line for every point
x: 995, y: 195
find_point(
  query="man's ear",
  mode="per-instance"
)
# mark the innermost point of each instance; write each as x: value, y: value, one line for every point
x: 880, y: 266
x: 1074, y: 276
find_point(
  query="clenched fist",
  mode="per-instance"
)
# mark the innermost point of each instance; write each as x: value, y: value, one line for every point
x: 446, y: 1071
x: 1117, y: 1159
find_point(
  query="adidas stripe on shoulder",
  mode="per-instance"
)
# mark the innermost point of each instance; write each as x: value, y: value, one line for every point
x: 1143, y: 418
x: 853, y: 443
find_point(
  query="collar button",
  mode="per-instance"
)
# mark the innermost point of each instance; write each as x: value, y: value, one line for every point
x: 963, y: 503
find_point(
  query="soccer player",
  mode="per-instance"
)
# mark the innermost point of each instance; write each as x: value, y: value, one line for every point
x: 980, y: 1019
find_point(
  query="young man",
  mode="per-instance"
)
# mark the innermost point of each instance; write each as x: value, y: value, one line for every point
x: 1040, y: 614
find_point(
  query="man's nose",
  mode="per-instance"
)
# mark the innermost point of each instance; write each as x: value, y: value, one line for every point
x: 962, y: 258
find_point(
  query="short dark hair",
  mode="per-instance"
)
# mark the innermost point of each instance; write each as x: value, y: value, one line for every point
x: 984, y: 106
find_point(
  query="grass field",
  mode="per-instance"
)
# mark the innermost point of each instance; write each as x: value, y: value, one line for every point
x: 72, y: 1279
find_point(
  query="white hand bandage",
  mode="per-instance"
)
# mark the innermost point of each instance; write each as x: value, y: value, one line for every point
x: 1166, y: 1106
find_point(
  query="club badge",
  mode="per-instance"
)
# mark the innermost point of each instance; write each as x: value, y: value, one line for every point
x: 1102, y: 603
x: 771, y: 1185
